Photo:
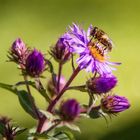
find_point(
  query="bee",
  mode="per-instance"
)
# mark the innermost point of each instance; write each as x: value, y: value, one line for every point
x: 102, y: 38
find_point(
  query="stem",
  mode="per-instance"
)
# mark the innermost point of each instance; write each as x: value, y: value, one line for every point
x: 72, y: 62
x: 41, y: 89
x: 53, y: 103
x: 81, y: 87
x: 59, y: 76
x: 31, y: 98
x: 90, y: 99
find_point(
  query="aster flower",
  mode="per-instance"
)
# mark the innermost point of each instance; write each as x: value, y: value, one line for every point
x: 93, y: 56
x: 35, y: 63
x: 60, y: 51
x: 70, y: 110
x: 114, y: 104
x: 101, y: 84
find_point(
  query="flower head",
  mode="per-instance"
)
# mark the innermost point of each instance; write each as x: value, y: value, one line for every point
x: 60, y: 51
x: 35, y: 63
x: 114, y: 104
x: 93, y: 55
x: 70, y: 110
x: 101, y: 84
x: 18, y: 52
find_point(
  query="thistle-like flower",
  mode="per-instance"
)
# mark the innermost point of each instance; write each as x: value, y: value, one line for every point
x: 69, y: 110
x: 19, y: 52
x: 93, y: 56
x: 112, y: 104
x: 101, y: 84
x: 60, y: 51
x: 35, y: 63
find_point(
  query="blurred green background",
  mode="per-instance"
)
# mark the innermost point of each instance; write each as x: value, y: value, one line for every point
x: 40, y: 23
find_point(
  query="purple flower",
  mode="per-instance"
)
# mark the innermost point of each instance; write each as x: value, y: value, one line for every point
x: 18, y: 52
x: 60, y: 51
x: 101, y: 84
x: 18, y: 47
x: 114, y: 104
x: 70, y: 110
x: 93, y: 56
x: 35, y: 63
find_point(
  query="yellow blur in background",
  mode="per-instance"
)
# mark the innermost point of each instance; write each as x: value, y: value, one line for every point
x: 41, y: 22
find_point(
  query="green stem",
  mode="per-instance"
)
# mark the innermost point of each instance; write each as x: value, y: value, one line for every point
x: 31, y: 98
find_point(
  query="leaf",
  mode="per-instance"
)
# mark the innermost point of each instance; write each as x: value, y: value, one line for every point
x: 8, y: 87
x: 41, y: 89
x: 81, y: 88
x: 72, y: 126
x: 51, y: 70
x: 64, y: 135
x: 20, y: 130
x: 95, y: 113
x: 61, y: 135
x: 33, y: 84
x: 26, y: 103
x: 47, y: 114
x: 2, y: 128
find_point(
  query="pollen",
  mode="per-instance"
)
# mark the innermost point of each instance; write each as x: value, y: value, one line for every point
x: 97, y: 53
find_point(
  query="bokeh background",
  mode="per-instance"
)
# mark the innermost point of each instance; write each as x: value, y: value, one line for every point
x: 40, y: 23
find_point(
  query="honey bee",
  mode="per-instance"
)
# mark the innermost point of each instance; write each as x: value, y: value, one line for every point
x: 102, y: 38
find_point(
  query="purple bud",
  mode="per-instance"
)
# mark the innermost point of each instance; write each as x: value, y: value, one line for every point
x: 70, y: 110
x: 60, y: 51
x: 18, y: 47
x: 35, y: 63
x: 114, y: 104
x: 52, y: 86
x: 19, y: 52
x: 101, y: 85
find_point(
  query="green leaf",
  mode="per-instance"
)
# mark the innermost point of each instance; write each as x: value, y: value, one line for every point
x: 51, y: 70
x: 2, y: 128
x: 47, y: 114
x: 26, y: 103
x: 33, y: 84
x: 95, y: 113
x: 20, y: 130
x: 72, y: 126
x: 58, y: 135
x: 64, y: 135
x: 8, y: 87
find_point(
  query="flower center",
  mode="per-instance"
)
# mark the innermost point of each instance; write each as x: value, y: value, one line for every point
x: 97, y: 53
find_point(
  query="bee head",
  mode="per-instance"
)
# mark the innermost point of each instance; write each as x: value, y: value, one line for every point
x: 94, y: 31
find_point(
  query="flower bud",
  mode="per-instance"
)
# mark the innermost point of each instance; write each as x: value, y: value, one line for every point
x: 69, y: 110
x: 101, y: 85
x: 18, y: 52
x: 114, y: 104
x: 35, y: 63
x: 52, y: 87
x: 60, y: 51
x: 18, y: 47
